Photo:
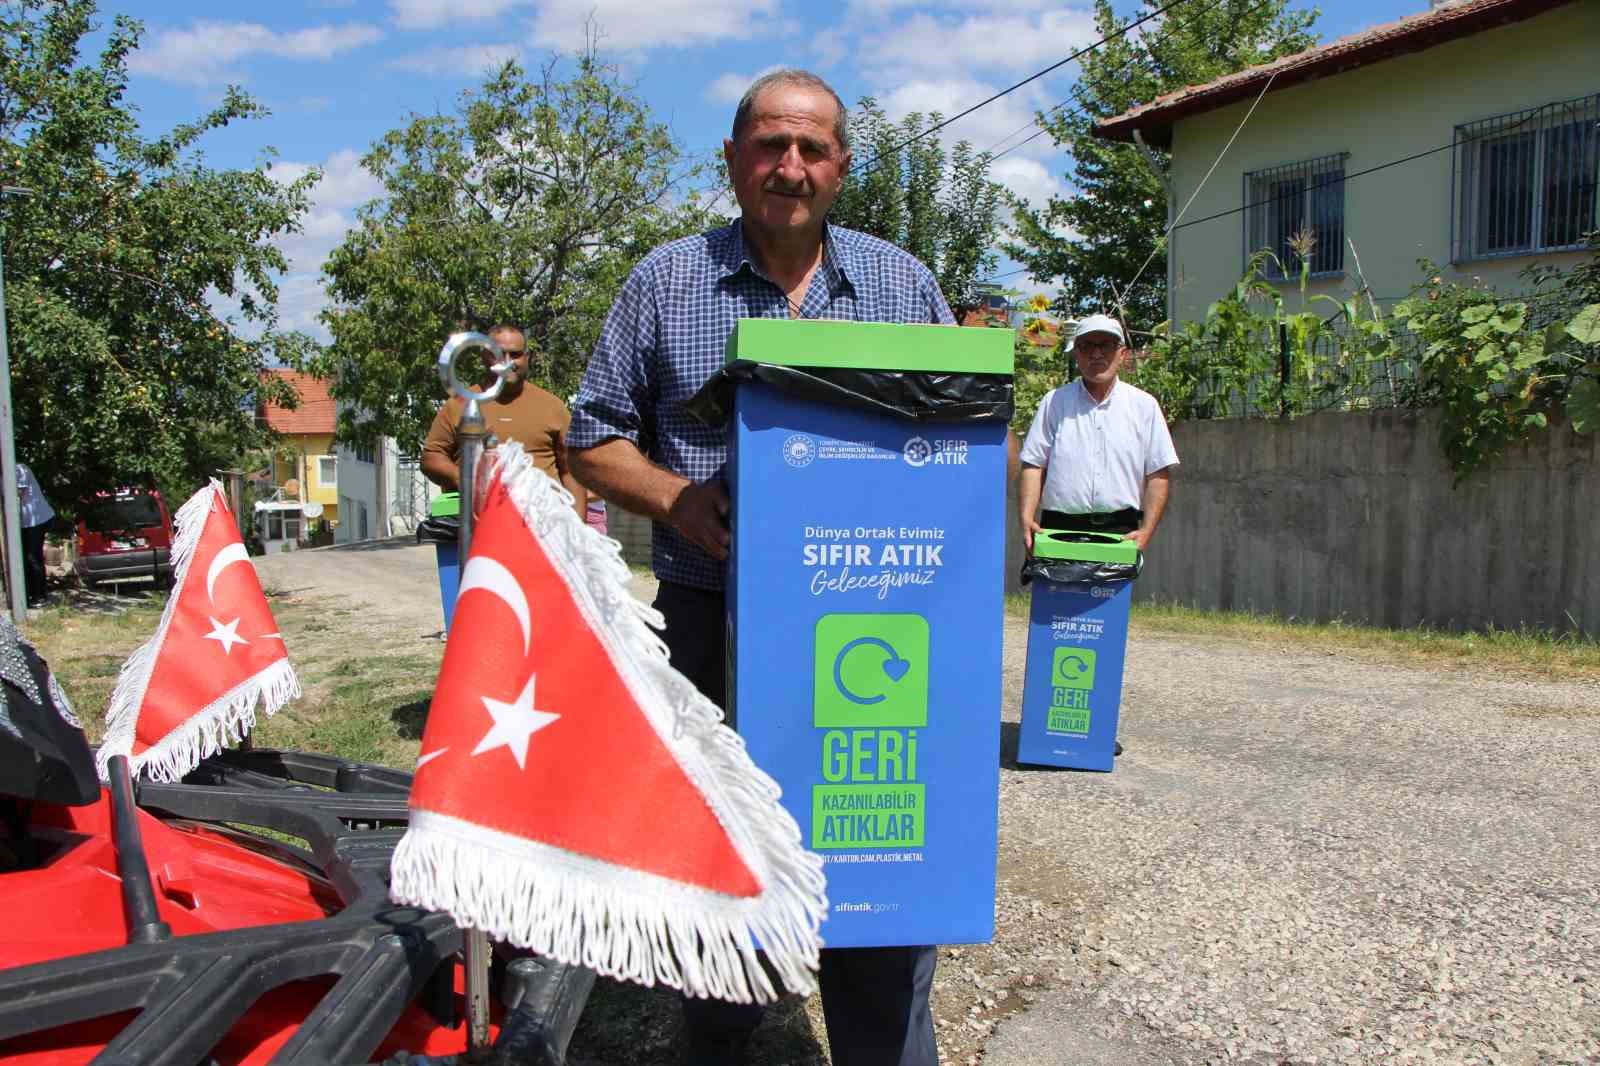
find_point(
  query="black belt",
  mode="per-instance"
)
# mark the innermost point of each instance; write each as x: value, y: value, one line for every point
x: 1124, y: 521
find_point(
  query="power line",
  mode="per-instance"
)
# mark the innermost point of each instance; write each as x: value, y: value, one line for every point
x: 1123, y: 295
x: 1082, y: 108
x: 936, y: 127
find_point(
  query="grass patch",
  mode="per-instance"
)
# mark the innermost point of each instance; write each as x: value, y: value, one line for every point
x: 1532, y: 652
x: 362, y: 701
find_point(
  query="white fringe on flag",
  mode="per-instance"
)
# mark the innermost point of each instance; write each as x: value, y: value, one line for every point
x: 622, y: 923
x: 226, y: 720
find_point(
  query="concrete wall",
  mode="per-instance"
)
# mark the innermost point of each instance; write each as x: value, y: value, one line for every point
x: 1353, y: 516
x: 1377, y: 113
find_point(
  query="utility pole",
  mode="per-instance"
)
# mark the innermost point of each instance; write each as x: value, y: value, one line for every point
x: 8, y: 444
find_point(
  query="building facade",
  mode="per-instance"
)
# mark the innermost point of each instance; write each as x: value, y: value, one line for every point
x: 1467, y: 135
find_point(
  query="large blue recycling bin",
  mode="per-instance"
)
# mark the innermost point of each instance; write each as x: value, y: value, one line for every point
x: 1077, y: 637
x: 866, y: 609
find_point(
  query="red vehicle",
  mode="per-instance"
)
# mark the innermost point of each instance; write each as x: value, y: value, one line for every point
x: 144, y: 928
x: 124, y: 535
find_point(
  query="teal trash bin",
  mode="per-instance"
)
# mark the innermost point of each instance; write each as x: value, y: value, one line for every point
x: 442, y: 528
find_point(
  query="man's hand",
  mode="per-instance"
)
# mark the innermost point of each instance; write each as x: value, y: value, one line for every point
x: 700, y: 513
x: 1141, y: 537
x: 1029, y: 528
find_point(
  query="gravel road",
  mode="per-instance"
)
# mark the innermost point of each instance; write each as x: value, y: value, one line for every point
x: 1302, y: 858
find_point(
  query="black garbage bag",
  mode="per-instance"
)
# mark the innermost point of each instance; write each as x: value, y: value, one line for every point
x: 918, y: 396
x: 1073, y: 572
x: 44, y: 755
x: 444, y: 529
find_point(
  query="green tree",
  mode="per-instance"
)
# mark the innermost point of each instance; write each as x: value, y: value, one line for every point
x: 941, y: 207
x: 122, y: 371
x: 529, y: 204
x: 1096, y: 239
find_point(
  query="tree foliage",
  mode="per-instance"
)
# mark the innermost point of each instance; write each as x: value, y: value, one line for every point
x: 529, y: 204
x: 939, y: 206
x: 1096, y: 239
x: 122, y: 371
x: 1497, y: 367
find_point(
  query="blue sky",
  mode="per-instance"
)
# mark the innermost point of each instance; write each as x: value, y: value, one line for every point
x: 337, y: 74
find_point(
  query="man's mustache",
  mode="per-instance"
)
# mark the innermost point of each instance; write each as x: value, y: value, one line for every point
x: 802, y: 189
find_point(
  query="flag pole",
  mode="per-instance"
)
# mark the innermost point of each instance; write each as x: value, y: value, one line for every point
x: 475, y: 952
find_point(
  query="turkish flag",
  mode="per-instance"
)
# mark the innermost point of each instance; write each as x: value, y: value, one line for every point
x: 576, y: 795
x: 216, y: 654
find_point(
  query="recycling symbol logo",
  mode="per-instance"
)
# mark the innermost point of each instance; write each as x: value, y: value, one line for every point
x: 870, y: 670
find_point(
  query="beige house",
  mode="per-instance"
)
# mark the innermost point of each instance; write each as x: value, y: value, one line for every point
x: 1468, y: 134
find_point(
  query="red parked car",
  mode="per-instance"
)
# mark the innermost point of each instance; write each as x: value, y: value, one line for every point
x: 124, y: 535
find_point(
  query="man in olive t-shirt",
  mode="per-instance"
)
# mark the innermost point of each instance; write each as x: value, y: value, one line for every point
x: 523, y: 412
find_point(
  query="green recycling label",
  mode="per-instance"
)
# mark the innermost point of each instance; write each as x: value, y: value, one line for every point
x: 1071, y: 679
x: 870, y: 671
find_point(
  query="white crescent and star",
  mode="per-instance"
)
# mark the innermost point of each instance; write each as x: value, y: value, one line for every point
x: 485, y: 573
x: 226, y: 635
x: 514, y: 723
x: 233, y: 553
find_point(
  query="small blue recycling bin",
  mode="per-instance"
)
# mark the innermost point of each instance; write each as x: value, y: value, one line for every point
x: 1077, y: 636
x: 443, y: 531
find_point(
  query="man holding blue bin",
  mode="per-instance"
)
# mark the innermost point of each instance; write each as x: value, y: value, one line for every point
x: 634, y: 441
x: 1098, y: 455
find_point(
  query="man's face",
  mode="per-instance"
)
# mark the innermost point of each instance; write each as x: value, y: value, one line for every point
x: 1099, y: 357
x: 787, y: 166
x: 515, y: 347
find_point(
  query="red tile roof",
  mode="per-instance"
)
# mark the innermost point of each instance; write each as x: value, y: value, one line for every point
x: 316, y: 412
x: 1410, y: 34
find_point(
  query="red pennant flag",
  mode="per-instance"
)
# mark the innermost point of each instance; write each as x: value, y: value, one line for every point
x: 194, y: 686
x: 578, y: 796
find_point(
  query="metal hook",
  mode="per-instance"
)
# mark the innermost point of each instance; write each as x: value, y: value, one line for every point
x: 451, y: 352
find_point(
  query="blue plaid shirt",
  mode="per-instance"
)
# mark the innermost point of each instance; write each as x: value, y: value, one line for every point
x: 667, y: 331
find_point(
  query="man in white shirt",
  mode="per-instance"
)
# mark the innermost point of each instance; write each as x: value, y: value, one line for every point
x: 1098, y: 455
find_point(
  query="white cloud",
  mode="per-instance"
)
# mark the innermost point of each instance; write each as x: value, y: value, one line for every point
x: 472, y: 60
x: 204, y: 53
x: 430, y: 14
x: 345, y: 182
x: 859, y: 9
x: 344, y: 186
x: 951, y: 96
x: 1028, y: 178
x: 830, y: 47
x: 730, y: 88
x: 924, y: 44
x: 625, y: 25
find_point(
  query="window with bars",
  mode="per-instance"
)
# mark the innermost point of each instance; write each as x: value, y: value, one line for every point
x: 1526, y: 182
x: 328, y: 469
x: 1296, y: 212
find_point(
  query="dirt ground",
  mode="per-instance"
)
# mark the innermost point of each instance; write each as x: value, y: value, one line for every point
x: 1303, y: 857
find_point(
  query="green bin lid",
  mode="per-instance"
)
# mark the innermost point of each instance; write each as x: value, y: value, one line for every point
x: 815, y: 342
x: 445, y: 505
x: 1084, y: 547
